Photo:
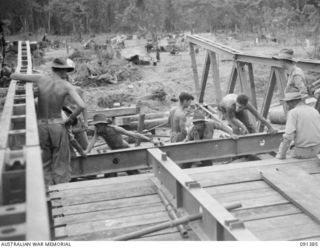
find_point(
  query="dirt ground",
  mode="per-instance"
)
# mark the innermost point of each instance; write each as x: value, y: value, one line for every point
x: 174, y: 74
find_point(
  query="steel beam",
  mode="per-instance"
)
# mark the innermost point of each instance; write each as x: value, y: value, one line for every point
x: 308, y: 65
x: 212, y: 46
x: 136, y: 158
x: 114, y: 112
x: 216, y: 223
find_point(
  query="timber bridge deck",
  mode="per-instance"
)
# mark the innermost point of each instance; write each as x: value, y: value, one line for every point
x: 266, y: 199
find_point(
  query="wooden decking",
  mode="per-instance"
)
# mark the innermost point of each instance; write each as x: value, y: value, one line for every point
x: 104, y: 208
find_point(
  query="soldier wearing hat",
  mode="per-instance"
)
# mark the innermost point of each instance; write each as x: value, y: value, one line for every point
x: 54, y: 140
x: 296, y: 79
x: 112, y: 134
x: 302, y: 128
x: 204, y: 129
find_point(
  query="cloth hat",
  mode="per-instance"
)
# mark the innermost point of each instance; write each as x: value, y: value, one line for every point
x: 285, y: 54
x: 293, y: 96
x: 198, y: 116
x: 63, y: 63
x: 100, y: 118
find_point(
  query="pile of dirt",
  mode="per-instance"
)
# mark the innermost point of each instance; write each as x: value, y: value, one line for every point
x: 101, y: 73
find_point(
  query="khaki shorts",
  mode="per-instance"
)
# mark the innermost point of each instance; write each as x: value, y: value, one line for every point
x: 305, y: 152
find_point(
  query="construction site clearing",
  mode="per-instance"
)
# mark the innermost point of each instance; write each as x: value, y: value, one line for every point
x: 261, y: 199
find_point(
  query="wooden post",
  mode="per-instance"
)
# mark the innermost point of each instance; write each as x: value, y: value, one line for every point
x: 267, y: 100
x: 252, y: 86
x: 140, y: 127
x: 243, y: 78
x: 216, y: 76
x: 204, y: 77
x: 194, y: 68
x: 233, y: 79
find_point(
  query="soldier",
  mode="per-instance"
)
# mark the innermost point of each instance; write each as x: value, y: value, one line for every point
x: 54, y: 140
x: 235, y: 110
x: 302, y: 128
x: 296, y: 79
x: 177, y: 118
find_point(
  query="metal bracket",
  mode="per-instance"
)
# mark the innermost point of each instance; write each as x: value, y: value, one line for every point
x: 234, y: 224
x: 193, y: 184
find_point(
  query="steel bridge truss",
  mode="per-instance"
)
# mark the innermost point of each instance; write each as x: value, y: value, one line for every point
x: 242, y: 71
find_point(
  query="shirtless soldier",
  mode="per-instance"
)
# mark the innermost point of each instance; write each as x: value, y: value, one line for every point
x: 53, y: 134
x: 112, y: 135
x: 177, y: 118
x: 235, y: 109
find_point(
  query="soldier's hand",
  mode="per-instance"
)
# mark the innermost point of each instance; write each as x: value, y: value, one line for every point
x: 272, y: 131
x: 278, y: 156
x: 85, y: 126
x: 234, y: 136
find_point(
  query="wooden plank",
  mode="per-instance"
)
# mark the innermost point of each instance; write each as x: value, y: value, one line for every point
x: 312, y: 164
x: 204, y: 78
x: 194, y: 69
x: 37, y: 210
x: 170, y: 237
x: 244, y: 172
x: 110, y: 224
x: 113, y: 112
x: 32, y: 135
x: 250, y: 198
x: 104, y: 196
x: 216, y: 76
x: 100, y: 189
x: 263, y: 212
x: 243, y: 78
x: 267, y: 100
x: 140, y: 128
x: 284, y: 227
x: 109, y: 234
x: 233, y: 79
x: 105, y: 205
x: 252, y: 86
x: 109, y: 214
x: 305, y: 197
x: 99, y: 182
x: 5, y: 120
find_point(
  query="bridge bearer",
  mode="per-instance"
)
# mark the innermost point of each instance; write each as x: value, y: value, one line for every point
x: 204, y: 129
x: 54, y: 140
x: 112, y: 135
x: 235, y: 110
x: 296, y: 78
x: 302, y: 131
x: 177, y: 118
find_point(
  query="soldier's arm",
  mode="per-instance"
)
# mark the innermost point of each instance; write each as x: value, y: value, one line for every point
x: 288, y: 137
x: 300, y: 85
x: 255, y: 113
x: 182, y: 125
x: 231, y: 118
x: 26, y: 77
x: 77, y: 99
x: 85, y: 110
x: 224, y: 128
x: 131, y: 134
x: 92, y: 142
